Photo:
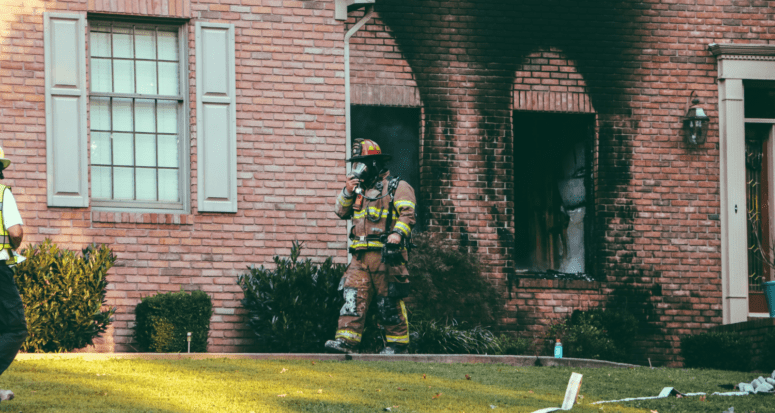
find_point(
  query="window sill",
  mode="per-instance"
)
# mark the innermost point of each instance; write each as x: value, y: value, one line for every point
x: 558, y: 284
x: 142, y: 218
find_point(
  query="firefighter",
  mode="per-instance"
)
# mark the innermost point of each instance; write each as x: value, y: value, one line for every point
x: 382, y: 214
x: 13, y: 326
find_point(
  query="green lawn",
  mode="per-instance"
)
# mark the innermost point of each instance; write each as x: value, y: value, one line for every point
x: 225, y: 385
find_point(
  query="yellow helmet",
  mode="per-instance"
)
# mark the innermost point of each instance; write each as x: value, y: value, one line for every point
x: 5, y: 161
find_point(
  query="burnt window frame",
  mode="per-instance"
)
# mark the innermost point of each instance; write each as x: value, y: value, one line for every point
x: 591, y: 272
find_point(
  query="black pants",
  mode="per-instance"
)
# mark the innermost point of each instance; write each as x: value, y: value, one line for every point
x: 13, y: 326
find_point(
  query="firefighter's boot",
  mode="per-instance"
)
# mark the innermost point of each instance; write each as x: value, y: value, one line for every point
x: 393, y: 349
x: 340, y: 345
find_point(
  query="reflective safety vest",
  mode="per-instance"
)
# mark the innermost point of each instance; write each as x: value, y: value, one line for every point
x: 4, y: 232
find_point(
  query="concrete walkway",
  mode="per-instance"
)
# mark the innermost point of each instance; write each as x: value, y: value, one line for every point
x: 521, y: 361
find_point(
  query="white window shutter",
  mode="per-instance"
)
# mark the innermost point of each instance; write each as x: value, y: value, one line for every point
x: 64, y: 45
x: 216, y: 118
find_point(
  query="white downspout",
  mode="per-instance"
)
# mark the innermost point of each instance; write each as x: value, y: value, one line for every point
x: 348, y: 132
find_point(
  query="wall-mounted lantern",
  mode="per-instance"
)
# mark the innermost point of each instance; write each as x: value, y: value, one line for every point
x: 696, y: 124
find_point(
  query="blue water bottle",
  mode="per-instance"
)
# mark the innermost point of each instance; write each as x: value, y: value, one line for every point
x: 558, y: 350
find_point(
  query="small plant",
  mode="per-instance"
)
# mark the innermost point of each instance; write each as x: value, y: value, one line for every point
x: 717, y: 350
x: 596, y: 334
x: 64, y: 296
x: 447, y: 283
x: 293, y: 307
x: 162, y: 322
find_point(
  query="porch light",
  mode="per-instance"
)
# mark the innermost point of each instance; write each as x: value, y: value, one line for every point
x: 696, y: 124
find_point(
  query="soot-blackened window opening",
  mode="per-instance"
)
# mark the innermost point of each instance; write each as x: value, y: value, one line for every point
x: 397, y: 131
x: 552, y: 185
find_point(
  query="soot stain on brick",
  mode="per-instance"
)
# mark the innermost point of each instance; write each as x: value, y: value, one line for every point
x: 477, y: 47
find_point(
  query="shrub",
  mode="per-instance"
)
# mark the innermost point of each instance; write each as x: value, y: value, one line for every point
x: 63, y: 296
x: 447, y: 283
x: 597, y: 334
x: 162, y: 322
x: 433, y: 337
x: 717, y: 350
x: 293, y: 307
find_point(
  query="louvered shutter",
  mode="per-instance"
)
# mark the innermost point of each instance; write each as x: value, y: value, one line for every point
x: 64, y: 45
x: 216, y: 118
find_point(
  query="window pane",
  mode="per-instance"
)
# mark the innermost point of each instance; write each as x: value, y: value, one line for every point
x: 146, y: 184
x: 169, y: 80
x: 99, y: 113
x: 123, y: 149
x: 759, y: 103
x: 100, y: 182
x: 99, y: 44
x: 168, y: 151
x: 168, y: 45
x: 146, y: 77
x: 145, y: 119
x: 123, y: 183
x: 124, y: 76
x: 101, y: 76
x: 122, y: 42
x: 145, y: 43
x: 100, y: 148
x: 168, y: 185
x: 168, y: 116
x: 122, y: 114
x: 146, y: 150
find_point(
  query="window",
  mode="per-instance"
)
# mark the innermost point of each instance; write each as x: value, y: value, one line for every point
x: 552, y: 183
x: 136, y: 97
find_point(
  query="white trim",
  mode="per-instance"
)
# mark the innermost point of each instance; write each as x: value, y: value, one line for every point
x: 736, y: 63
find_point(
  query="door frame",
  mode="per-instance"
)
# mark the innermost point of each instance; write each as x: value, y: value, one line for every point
x: 736, y: 63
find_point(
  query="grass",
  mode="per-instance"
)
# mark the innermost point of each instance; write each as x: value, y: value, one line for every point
x: 225, y: 385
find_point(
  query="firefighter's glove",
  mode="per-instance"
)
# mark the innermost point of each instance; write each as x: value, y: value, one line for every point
x: 392, y: 254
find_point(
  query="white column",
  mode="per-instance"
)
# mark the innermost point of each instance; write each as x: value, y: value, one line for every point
x: 734, y: 241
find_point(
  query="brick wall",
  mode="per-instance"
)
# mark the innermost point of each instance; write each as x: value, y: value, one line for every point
x: 469, y: 64
x: 290, y: 120
x: 634, y: 66
x: 756, y: 331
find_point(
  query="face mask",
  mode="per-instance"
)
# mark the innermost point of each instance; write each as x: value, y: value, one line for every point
x: 360, y: 171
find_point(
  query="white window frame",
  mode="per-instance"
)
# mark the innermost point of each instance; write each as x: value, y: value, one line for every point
x: 184, y: 171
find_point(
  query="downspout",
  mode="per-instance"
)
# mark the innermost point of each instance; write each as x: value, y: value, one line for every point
x: 348, y: 132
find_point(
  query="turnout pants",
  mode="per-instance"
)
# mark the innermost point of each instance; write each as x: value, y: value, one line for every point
x: 368, y: 279
x: 13, y: 326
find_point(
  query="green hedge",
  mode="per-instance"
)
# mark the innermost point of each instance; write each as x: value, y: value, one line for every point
x: 162, y: 322
x: 64, y: 296
x: 717, y: 350
x: 293, y: 307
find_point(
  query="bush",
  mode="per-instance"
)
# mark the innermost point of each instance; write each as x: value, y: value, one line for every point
x: 447, y: 284
x: 597, y: 334
x: 433, y: 337
x: 717, y: 350
x: 63, y: 296
x: 162, y: 322
x: 295, y: 306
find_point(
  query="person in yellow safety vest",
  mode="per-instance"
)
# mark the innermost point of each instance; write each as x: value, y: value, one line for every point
x: 13, y: 326
x: 382, y: 214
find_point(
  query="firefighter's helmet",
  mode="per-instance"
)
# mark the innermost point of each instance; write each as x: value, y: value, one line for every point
x: 3, y: 160
x: 367, y: 149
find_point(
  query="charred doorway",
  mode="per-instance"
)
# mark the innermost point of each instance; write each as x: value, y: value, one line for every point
x: 397, y: 131
x: 553, y: 194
